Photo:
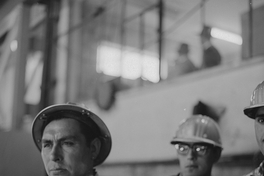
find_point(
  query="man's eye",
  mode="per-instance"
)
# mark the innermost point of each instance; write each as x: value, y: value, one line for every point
x: 68, y: 143
x: 260, y: 120
x: 201, y: 148
x: 182, y: 148
x: 45, y: 145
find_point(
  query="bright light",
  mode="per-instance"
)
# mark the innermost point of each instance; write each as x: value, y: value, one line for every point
x: 151, y: 68
x: 13, y: 45
x: 108, y: 60
x: 131, y: 65
x: 227, y: 36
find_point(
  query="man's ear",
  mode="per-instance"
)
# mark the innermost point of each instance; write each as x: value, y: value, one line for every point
x: 95, y: 147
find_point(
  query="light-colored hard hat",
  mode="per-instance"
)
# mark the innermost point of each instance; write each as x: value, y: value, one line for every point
x: 256, y: 101
x: 80, y: 114
x: 198, y: 128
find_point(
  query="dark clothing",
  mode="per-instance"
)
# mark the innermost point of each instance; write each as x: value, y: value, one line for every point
x: 181, y: 66
x: 211, y: 57
x: 258, y: 171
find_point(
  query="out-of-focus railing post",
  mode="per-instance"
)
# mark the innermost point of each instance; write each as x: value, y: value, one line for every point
x: 250, y: 29
x: 160, y: 35
x: 19, y: 107
x: 48, y: 78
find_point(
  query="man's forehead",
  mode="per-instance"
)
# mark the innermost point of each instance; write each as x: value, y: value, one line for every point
x: 62, y: 126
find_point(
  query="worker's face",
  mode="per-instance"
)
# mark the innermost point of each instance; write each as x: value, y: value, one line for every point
x: 259, y: 128
x: 195, y: 159
x: 65, y: 151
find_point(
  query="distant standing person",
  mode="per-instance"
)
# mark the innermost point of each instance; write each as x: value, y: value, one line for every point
x: 183, y: 64
x: 211, y: 56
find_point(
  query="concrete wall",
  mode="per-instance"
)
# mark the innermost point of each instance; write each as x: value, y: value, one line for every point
x: 143, y: 121
x: 237, y: 168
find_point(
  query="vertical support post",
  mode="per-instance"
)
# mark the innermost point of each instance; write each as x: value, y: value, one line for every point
x: 123, y: 29
x: 141, y: 40
x: 250, y: 29
x: 75, y: 51
x: 123, y: 23
x: 160, y: 34
x: 62, y: 53
x: 20, y: 67
x: 48, y: 78
x: 202, y: 12
x: 142, y: 32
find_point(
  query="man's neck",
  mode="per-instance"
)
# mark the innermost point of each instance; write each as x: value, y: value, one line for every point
x: 92, y: 173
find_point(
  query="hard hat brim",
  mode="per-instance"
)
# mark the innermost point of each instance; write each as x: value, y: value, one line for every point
x: 39, y: 124
x: 250, y: 111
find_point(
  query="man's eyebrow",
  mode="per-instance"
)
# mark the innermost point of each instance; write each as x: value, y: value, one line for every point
x: 70, y: 137
x: 45, y: 140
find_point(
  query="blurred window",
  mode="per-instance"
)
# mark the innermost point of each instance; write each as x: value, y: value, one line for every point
x: 133, y: 65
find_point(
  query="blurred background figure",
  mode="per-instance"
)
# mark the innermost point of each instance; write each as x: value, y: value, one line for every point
x: 198, y: 144
x: 211, y: 56
x: 182, y: 64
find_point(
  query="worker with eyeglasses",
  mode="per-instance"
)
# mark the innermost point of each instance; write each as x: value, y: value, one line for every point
x: 198, y: 145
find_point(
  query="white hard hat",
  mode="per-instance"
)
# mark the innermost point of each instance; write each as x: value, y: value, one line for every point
x: 198, y: 128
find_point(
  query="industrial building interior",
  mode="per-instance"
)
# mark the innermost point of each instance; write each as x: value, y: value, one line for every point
x: 117, y: 57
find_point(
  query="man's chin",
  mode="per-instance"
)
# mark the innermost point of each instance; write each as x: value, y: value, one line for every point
x: 59, y: 172
x: 191, y: 171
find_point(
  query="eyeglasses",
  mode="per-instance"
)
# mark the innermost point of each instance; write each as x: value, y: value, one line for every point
x: 199, y: 148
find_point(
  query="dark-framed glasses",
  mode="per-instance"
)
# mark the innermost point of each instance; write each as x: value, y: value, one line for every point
x: 199, y: 148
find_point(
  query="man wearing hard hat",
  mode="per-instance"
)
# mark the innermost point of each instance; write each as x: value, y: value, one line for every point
x: 256, y: 111
x: 198, y: 145
x: 72, y: 140
x: 211, y: 56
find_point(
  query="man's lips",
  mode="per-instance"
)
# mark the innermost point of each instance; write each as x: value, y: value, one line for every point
x: 192, y: 166
x: 57, y: 170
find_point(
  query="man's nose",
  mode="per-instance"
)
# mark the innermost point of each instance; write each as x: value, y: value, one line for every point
x: 191, y: 154
x: 55, y: 154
